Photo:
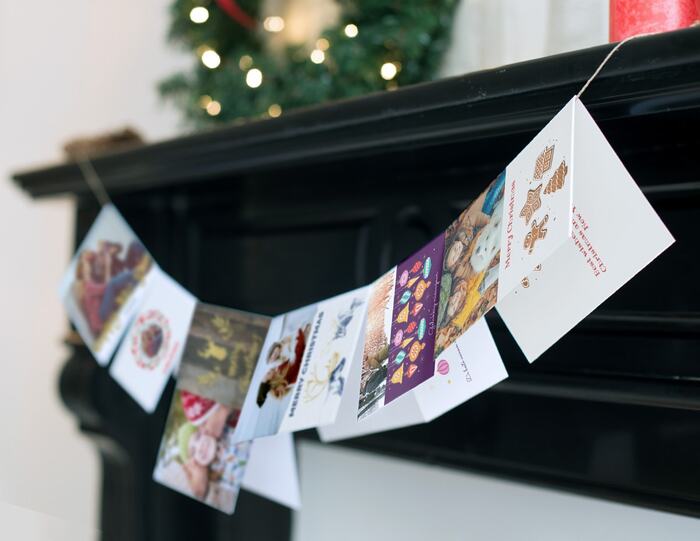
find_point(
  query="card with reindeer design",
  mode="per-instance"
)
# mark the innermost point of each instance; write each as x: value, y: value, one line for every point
x: 611, y: 233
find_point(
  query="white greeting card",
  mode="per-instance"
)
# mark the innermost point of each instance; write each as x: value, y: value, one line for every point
x: 475, y: 366
x: 154, y: 342
x: 105, y: 282
x: 335, y: 335
x: 614, y: 233
x: 276, y: 373
x: 272, y: 470
x: 537, y: 201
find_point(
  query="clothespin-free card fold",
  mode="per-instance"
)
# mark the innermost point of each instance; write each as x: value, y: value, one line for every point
x: 303, y: 366
x: 612, y: 233
x: 105, y: 282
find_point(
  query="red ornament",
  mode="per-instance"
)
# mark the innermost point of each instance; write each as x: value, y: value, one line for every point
x: 233, y: 10
x: 632, y: 17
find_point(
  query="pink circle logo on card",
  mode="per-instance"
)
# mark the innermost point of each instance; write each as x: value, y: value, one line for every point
x: 443, y: 367
x: 149, y: 339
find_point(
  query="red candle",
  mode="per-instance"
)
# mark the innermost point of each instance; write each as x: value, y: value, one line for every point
x: 631, y: 17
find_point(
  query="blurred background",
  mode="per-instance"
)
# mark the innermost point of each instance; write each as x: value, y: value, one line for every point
x: 85, y: 67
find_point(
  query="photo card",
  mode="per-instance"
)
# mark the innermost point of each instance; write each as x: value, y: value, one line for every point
x: 105, y: 283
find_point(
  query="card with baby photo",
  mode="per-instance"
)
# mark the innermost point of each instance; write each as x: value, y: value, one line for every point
x: 155, y: 341
x: 335, y: 335
x: 220, y: 354
x: 197, y: 455
x: 105, y: 282
x: 276, y: 374
x: 614, y: 234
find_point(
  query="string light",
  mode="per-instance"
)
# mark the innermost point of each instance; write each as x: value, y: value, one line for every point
x: 204, y: 101
x: 389, y: 70
x: 213, y: 108
x: 323, y: 44
x: 317, y: 56
x: 245, y: 62
x: 351, y: 30
x: 273, y: 24
x: 254, y: 78
x: 211, y: 59
x: 199, y: 15
x: 274, y: 110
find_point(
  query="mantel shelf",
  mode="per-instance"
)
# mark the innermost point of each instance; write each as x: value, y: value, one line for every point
x: 648, y: 75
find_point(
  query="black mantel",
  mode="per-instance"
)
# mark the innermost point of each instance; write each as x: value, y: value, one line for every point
x: 274, y: 214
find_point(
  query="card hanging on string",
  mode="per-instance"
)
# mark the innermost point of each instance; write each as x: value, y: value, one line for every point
x: 155, y: 341
x: 198, y: 456
x: 105, y: 282
x: 303, y: 366
x: 612, y: 234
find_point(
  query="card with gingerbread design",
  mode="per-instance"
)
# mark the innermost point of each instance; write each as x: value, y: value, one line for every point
x: 155, y: 341
x: 614, y: 233
x: 537, y: 201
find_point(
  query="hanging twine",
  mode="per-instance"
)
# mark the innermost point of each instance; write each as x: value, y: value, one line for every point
x: 605, y: 61
x: 94, y: 181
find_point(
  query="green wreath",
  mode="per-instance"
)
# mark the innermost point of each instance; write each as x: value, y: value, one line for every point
x: 242, y: 71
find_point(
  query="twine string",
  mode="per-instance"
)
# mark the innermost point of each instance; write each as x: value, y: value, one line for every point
x: 94, y: 181
x: 605, y: 61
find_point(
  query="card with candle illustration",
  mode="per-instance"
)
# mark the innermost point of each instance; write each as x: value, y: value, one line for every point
x: 416, y: 298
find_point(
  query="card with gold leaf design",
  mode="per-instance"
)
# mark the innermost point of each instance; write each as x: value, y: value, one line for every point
x: 222, y: 348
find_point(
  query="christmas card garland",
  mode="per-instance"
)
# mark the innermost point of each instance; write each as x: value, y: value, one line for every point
x: 549, y: 239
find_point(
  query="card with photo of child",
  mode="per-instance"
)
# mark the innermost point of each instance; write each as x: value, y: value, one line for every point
x: 197, y: 456
x: 105, y: 282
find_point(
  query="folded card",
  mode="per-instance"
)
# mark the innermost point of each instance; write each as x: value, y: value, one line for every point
x: 335, y: 336
x: 474, y: 367
x: 276, y: 373
x: 612, y: 233
x: 155, y: 341
x: 198, y: 455
x: 300, y: 375
x: 105, y: 282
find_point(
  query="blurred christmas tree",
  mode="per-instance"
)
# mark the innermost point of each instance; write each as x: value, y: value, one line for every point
x: 263, y: 58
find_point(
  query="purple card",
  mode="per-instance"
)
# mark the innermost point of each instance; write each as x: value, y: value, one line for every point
x: 416, y: 299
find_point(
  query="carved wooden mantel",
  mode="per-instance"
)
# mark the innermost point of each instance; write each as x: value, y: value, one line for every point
x: 275, y: 214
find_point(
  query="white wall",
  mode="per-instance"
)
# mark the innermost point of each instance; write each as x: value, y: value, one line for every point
x: 66, y: 68
x: 349, y: 495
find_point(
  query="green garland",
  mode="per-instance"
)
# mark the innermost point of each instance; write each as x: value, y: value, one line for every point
x: 411, y: 34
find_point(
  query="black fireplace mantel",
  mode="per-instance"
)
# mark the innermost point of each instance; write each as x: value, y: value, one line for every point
x: 273, y: 214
